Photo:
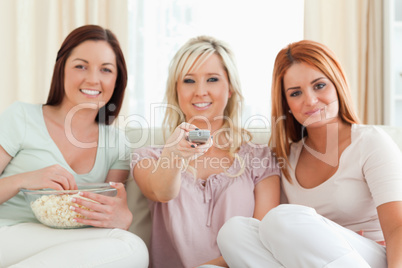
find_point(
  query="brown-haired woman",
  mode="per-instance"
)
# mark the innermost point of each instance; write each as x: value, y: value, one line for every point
x: 67, y: 141
x: 343, y: 180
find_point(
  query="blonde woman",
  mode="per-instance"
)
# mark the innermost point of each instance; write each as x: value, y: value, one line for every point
x: 343, y: 180
x: 195, y: 188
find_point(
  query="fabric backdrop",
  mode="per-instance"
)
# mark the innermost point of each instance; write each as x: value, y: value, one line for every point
x: 31, y: 33
x: 353, y: 30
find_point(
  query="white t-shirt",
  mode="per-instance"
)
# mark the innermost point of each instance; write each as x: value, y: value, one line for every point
x: 369, y: 174
x: 24, y: 136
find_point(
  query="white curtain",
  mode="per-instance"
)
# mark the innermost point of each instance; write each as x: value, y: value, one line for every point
x: 150, y: 32
x: 353, y: 30
x: 157, y: 29
x: 255, y: 29
x: 31, y: 33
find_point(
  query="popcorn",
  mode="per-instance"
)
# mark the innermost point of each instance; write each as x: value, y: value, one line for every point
x: 54, y: 210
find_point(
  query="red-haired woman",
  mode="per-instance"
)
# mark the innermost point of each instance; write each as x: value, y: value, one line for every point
x: 343, y: 180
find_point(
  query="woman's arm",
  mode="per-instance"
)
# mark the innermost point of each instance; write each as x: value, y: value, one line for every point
x: 117, y: 175
x: 390, y: 215
x: 158, y: 183
x: 267, y: 196
x: 8, y: 187
x: 160, y: 180
x: 383, y: 172
x: 55, y: 177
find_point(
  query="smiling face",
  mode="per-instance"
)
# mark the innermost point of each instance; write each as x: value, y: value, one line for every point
x: 311, y: 96
x: 204, y: 91
x: 90, y: 74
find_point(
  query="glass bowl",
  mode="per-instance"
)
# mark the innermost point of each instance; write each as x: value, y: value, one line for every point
x: 52, y: 207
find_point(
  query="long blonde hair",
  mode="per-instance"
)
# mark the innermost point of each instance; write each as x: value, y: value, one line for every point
x: 195, y: 52
x: 285, y: 128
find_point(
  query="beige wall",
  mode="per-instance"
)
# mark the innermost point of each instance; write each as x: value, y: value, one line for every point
x: 31, y: 33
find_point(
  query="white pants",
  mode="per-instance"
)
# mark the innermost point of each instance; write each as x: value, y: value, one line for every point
x: 35, y: 245
x: 295, y: 236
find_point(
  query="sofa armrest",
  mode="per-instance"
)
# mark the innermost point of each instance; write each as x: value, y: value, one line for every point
x: 138, y: 205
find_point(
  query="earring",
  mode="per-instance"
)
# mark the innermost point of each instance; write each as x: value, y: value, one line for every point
x: 290, y: 111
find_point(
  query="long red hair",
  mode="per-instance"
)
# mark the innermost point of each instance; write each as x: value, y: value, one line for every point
x: 285, y: 129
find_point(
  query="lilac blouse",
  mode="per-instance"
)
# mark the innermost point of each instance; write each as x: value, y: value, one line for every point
x: 184, y: 230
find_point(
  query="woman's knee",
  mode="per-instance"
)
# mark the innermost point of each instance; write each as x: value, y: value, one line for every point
x: 285, y: 219
x: 140, y: 251
x: 137, y: 247
x: 227, y: 231
x: 236, y: 230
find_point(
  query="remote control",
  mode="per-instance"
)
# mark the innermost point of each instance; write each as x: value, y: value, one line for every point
x: 199, y: 136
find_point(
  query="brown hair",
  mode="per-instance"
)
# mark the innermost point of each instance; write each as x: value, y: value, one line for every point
x: 286, y: 128
x: 75, y: 38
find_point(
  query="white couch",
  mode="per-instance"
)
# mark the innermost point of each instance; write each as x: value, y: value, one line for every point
x: 138, y: 204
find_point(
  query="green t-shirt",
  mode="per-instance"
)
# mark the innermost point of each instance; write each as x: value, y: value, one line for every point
x: 24, y: 136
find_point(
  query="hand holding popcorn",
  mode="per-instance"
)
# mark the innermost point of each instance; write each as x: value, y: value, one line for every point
x: 103, y: 211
